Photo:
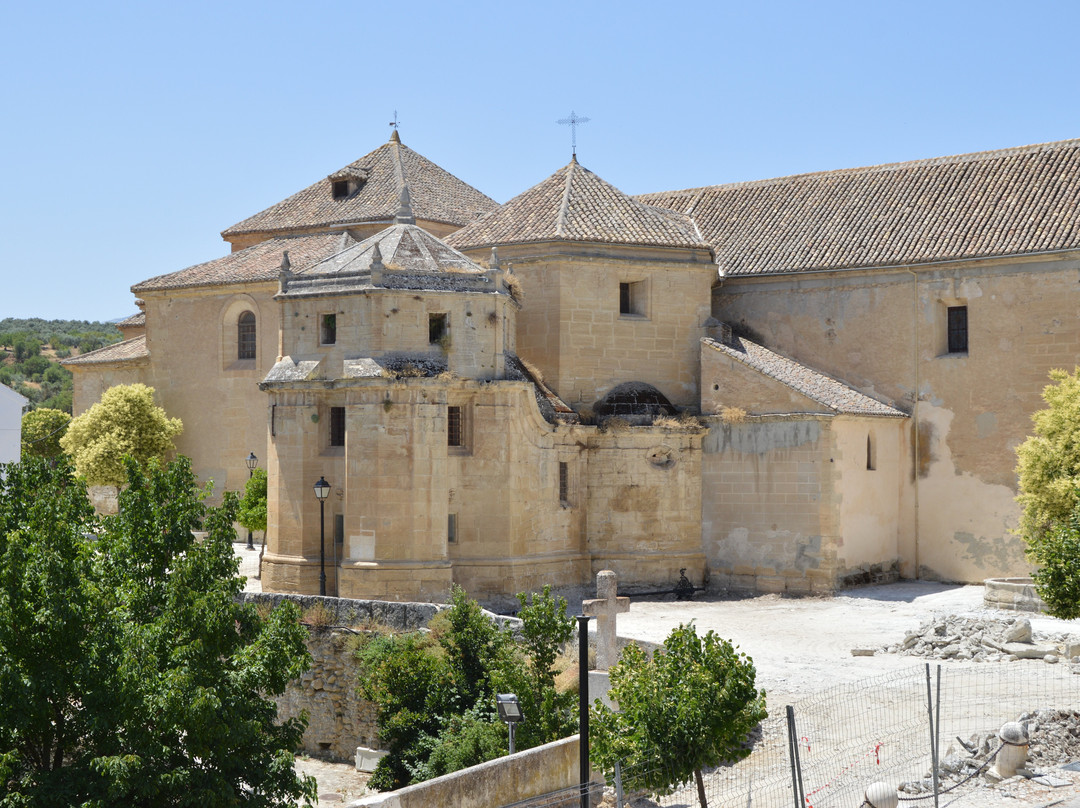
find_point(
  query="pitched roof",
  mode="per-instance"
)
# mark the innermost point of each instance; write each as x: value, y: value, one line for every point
x: 403, y: 256
x: 127, y: 351
x: 258, y: 263
x: 574, y: 204
x: 816, y: 386
x: 437, y: 195
x: 134, y: 321
x: 986, y: 204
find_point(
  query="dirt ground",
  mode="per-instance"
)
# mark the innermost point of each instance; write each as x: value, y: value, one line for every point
x: 800, y: 646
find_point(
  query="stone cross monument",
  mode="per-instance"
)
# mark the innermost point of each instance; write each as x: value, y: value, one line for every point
x: 604, y: 608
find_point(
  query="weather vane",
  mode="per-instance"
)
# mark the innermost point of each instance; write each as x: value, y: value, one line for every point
x: 572, y: 122
x: 395, y: 123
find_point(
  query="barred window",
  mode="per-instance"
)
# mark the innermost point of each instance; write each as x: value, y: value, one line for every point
x: 454, y: 427
x: 245, y: 336
x: 337, y: 426
x: 564, y: 483
x: 958, y: 329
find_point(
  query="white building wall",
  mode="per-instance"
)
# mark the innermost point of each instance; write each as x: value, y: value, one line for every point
x: 11, y: 407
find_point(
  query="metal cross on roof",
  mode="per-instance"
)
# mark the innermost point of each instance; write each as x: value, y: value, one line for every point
x: 395, y: 123
x: 572, y: 122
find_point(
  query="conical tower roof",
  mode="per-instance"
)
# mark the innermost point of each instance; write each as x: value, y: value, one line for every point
x: 574, y: 204
x: 373, y: 184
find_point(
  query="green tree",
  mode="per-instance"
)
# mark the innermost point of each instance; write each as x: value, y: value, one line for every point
x: 41, y: 432
x: 693, y: 704
x: 125, y: 422
x: 545, y: 628
x: 129, y: 673
x: 1048, y: 469
x: 253, y: 505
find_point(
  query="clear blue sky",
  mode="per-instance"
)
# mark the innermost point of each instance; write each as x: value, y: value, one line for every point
x: 133, y: 133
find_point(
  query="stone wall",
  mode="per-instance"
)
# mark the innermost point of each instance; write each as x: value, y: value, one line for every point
x: 339, y: 720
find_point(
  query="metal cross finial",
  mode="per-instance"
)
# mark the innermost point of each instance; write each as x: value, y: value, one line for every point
x: 572, y: 122
x: 395, y: 123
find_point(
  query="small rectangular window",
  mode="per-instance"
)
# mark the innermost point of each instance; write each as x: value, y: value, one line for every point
x: 339, y: 528
x: 341, y: 189
x: 454, y: 427
x: 958, y: 329
x: 337, y: 426
x: 451, y: 528
x: 328, y: 331
x: 564, y: 483
x: 436, y: 328
x: 632, y: 298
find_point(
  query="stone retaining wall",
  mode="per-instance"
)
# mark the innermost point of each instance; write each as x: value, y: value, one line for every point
x: 1014, y: 594
x: 339, y: 720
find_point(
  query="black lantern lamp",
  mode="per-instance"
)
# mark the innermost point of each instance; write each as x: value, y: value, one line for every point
x: 322, y: 491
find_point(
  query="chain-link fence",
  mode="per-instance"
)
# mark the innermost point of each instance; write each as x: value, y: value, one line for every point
x: 825, y: 750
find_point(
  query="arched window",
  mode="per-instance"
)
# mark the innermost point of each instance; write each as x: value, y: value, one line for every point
x: 245, y: 336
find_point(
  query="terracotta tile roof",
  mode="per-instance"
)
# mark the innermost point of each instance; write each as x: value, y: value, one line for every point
x: 1009, y: 202
x: 826, y: 391
x: 129, y: 350
x: 574, y: 204
x: 437, y: 195
x: 134, y: 321
x: 258, y: 263
x: 408, y: 258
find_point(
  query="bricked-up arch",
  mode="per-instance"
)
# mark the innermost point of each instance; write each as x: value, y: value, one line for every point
x: 635, y: 402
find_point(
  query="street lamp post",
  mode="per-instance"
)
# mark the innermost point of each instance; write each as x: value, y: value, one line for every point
x: 252, y: 461
x: 510, y: 712
x: 322, y: 491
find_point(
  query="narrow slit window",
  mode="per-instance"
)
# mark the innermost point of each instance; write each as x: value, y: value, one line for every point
x: 958, y: 329
x: 339, y: 528
x: 454, y: 427
x: 245, y: 336
x: 564, y: 483
x: 337, y: 426
x: 871, y: 454
x: 451, y: 528
x: 328, y: 331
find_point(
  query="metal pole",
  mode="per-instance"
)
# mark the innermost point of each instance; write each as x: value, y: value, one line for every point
x: 937, y: 720
x: 583, y: 705
x: 250, y: 544
x: 618, y: 786
x: 512, y: 725
x: 933, y: 748
x: 793, y: 751
x: 322, y: 550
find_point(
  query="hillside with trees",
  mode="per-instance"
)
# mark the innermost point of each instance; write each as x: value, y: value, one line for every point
x: 31, y: 350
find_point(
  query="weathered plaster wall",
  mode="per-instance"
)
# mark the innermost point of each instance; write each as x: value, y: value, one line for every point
x: 770, y: 513
x: 644, y: 505
x: 884, y: 332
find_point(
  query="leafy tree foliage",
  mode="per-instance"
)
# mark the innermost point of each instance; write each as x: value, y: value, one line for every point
x: 129, y: 674
x: 691, y: 705
x: 253, y: 505
x: 125, y: 422
x: 1049, y: 472
x: 436, y: 690
x: 41, y: 433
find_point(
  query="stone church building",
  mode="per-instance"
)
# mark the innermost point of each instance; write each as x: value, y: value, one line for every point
x: 790, y: 385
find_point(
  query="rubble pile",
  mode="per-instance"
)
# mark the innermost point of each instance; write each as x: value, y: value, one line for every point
x: 1053, y: 741
x: 985, y: 640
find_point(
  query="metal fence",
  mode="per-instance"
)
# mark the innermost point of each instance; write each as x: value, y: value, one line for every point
x: 823, y: 751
